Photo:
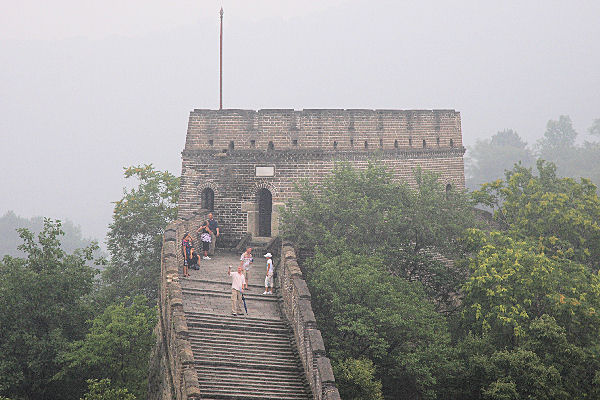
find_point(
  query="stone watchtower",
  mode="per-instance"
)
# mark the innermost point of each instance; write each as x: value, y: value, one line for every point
x: 243, y: 164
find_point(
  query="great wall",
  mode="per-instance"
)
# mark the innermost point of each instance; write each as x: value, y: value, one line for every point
x: 242, y: 166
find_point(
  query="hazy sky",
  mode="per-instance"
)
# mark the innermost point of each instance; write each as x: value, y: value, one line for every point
x: 88, y: 87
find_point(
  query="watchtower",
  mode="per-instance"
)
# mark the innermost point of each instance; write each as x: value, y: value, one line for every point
x: 243, y: 164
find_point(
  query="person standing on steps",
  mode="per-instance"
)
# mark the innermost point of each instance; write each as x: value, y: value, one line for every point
x: 237, y: 288
x: 186, y: 249
x: 269, y: 277
x: 205, y: 238
x: 245, y: 262
x: 213, y: 225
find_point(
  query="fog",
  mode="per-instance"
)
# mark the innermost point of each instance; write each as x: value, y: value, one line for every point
x: 87, y: 87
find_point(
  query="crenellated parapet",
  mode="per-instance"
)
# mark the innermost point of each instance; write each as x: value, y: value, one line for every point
x: 325, y: 129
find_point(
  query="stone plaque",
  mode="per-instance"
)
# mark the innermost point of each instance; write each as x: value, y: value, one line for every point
x: 265, y: 171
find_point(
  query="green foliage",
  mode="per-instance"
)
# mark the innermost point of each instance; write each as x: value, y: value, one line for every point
x: 44, y: 303
x: 366, y: 211
x: 117, y: 346
x: 365, y: 312
x: 512, y: 283
x: 489, y: 158
x: 135, y: 235
x: 356, y: 379
x: 103, y: 390
x: 562, y: 214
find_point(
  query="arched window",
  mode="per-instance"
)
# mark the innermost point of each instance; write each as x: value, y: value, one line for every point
x: 208, y: 199
x: 424, y: 143
x: 451, y: 143
x: 252, y: 143
x: 335, y: 144
x: 366, y: 144
x: 380, y: 142
x: 437, y: 141
x: 271, y: 145
x: 395, y: 144
x: 410, y: 141
x: 231, y: 145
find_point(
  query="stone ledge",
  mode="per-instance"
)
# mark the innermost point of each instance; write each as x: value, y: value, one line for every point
x: 309, y: 340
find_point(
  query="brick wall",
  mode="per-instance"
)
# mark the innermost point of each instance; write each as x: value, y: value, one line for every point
x: 223, y: 148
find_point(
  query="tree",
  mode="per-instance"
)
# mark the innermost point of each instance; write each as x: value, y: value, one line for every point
x: 559, y: 134
x: 407, y: 227
x: 117, y: 347
x: 595, y: 128
x: 135, y: 235
x: 356, y: 379
x: 560, y: 213
x: 365, y: 312
x: 45, y: 299
x: 104, y: 390
x: 9, y: 237
x: 489, y: 158
x: 536, y: 315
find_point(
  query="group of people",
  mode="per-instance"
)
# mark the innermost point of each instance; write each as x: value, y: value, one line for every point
x: 239, y: 279
x: 207, y: 233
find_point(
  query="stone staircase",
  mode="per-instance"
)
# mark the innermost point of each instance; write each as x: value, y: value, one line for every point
x: 249, y: 356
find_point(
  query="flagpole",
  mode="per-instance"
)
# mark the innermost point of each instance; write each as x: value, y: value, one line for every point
x: 221, y: 64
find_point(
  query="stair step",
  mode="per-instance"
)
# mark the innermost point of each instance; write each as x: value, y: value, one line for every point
x: 237, y: 370
x: 214, y: 325
x: 233, y: 319
x: 236, y: 348
x: 245, y: 342
x: 247, y: 357
x: 241, y: 391
x: 218, y: 293
x: 258, y: 365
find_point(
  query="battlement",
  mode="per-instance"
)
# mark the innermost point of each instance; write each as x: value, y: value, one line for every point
x: 334, y: 129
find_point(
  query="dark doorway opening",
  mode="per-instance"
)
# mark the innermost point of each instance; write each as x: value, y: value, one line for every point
x: 265, y: 208
x: 208, y: 199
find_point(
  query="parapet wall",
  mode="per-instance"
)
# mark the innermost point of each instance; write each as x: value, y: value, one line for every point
x: 297, y: 308
x: 172, y: 372
x: 350, y: 130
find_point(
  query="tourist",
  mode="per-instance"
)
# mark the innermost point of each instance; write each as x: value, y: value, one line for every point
x: 186, y: 249
x: 194, y: 259
x: 237, y: 288
x: 205, y: 238
x: 245, y: 262
x: 213, y: 226
x: 269, y: 277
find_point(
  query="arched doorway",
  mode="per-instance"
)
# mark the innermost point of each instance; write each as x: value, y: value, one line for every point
x: 208, y: 199
x: 265, y: 209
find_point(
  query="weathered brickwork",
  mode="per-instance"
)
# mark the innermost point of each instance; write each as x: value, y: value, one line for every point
x: 223, y: 149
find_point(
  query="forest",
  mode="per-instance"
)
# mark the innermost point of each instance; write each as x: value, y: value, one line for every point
x: 417, y: 295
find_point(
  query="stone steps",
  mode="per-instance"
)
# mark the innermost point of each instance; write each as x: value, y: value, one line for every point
x: 241, y: 357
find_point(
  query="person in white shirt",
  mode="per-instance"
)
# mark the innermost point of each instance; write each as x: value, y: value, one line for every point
x: 237, y: 288
x: 269, y: 277
x: 245, y: 262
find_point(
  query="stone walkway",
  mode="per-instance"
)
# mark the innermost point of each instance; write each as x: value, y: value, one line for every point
x: 249, y: 356
x: 209, y: 289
